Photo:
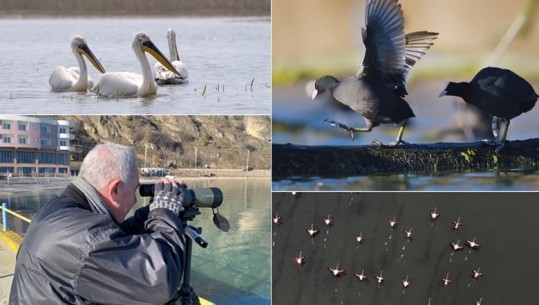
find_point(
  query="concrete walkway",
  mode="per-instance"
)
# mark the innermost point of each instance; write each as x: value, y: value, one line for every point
x: 7, y: 267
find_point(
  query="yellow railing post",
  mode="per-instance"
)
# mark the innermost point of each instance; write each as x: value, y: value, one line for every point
x: 4, y: 216
x: 5, y: 210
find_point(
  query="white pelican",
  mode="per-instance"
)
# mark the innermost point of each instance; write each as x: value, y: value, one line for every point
x: 127, y: 84
x: 75, y: 78
x: 276, y: 219
x: 479, y: 301
x: 162, y: 75
x: 336, y: 271
x: 359, y: 238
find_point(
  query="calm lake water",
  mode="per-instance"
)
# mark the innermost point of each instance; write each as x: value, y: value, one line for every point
x: 299, y: 120
x: 502, y: 223
x: 235, y: 267
x: 229, y: 53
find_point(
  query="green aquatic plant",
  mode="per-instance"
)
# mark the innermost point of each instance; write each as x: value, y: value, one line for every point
x: 468, y: 155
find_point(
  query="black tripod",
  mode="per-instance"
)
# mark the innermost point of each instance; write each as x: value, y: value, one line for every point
x: 186, y: 294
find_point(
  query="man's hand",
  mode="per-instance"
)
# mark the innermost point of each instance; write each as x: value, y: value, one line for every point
x: 168, y: 195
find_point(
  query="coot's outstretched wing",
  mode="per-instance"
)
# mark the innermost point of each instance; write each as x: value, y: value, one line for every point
x: 417, y: 44
x: 390, y: 54
x: 384, y: 41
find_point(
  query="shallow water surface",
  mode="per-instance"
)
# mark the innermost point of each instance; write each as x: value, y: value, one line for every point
x: 494, y: 180
x: 224, y: 56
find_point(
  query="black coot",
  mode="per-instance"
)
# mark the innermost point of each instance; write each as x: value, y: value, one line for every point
x: 498, y: 92
x: 376, y: 92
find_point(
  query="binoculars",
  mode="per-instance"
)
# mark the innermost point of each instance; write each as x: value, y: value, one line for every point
x: 210, y: 197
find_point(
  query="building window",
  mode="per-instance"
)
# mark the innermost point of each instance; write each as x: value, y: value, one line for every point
x: 45, y: 142
x: 22, y: 126
x: 44, y: 128
x: 63, y: 130
x: 6, y: 170
x: 63, y: 143
x: 23, y: 140
x: 6, y: 157
x: 6, y: 139
x: 63, y: 159
x: 6, y: 125
x: 26, y: 157
x: 47, y: 158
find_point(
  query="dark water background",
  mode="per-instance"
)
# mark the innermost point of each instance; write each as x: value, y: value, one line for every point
x: 504, y: 223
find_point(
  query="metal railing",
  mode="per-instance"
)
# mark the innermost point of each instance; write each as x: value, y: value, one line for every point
x: 6, y: 211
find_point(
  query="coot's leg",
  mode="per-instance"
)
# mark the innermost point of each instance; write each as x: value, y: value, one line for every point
x: 504, y: 135
x: 351, y: 130
x: 398, y: 140
x: 497, y: 125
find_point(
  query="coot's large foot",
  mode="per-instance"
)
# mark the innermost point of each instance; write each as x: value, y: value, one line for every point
x: 390, y: 144
x: 351, y: 130
x: 337, y: 124
x: 340, y: 125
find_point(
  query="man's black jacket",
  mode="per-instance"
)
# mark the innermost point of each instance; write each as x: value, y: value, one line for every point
x: 72, y: 255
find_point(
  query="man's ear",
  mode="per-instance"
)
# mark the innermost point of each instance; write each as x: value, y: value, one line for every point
x: 112, y: 191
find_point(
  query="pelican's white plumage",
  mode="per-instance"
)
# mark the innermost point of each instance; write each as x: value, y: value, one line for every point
x: 127, y: 84
x: 162, y: 75
x: 75, y: 78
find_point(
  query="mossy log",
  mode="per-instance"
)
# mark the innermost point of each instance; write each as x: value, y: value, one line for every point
x: 292, y: 160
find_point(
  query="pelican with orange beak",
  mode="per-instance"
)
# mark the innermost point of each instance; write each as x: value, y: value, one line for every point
x: 75, y: 78
x: 128, y: 84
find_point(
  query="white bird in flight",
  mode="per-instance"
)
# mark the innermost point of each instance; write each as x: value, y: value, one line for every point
x: 75, y: 78
x: 128, y: 84
x: 162, y: 75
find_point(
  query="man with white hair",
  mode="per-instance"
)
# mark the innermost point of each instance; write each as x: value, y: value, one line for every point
x: 80, y: 249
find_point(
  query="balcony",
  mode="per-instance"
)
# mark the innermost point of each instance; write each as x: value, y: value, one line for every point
x: 69, y: 136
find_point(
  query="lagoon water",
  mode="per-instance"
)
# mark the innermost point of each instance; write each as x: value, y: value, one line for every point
x: 235, y: 267
x: 223, y: 54
x: 503, y: 223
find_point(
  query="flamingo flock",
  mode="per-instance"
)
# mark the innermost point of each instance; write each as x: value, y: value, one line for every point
x: 338, y: 271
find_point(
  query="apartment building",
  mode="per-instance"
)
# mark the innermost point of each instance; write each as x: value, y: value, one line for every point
x: 34, y: 145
